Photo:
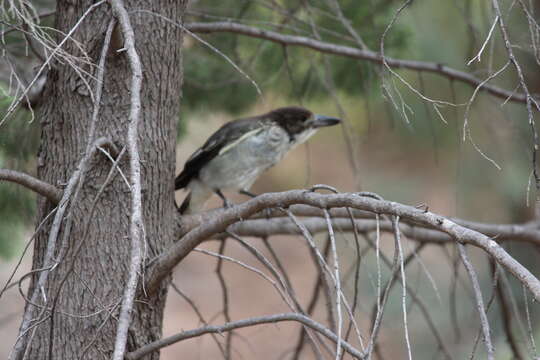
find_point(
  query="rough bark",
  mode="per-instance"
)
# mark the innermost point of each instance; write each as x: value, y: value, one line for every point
x: 100, y: 269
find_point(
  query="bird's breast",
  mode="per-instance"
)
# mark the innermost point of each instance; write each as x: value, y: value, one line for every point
x: 239, y: 166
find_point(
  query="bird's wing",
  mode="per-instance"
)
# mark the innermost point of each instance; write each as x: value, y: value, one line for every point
x: 222, y: 140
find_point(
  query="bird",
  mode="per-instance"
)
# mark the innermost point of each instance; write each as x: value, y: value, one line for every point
x: 241, y: 150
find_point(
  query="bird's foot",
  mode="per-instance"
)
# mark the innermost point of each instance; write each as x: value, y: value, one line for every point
x: 247, y: 193
x: 226, y: 203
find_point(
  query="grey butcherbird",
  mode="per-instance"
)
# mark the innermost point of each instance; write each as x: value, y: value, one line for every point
x: 235, y: 155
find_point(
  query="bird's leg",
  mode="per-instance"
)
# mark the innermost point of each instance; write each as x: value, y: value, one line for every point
x: 247, y: 193
x: 226, y: 203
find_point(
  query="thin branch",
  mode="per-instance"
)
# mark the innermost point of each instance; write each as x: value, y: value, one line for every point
x: 397, y: 239
x: 414, y: 297
x: 43, y: 188
x: 272, y: 222
x: 506, y: 317
x: 337, y: 277
x: 56, y: 51
x: 283, y: 226
x: 260, y: 273
x: 529, y: 99
x: 38, y: 228
x: 356, y: 53
x: 488, y: 37
x: 215, y: 329
x: 192, y: 304
x: 165, y: 262
x: 359, y: 255
x: 224, y: 297
x: 210, y: 46
x: 136, y: 227
x: 294, y: 303
x: 314, y: 298
x: 479, y: 301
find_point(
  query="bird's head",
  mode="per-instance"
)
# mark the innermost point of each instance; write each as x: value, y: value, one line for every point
x: 300, y: 123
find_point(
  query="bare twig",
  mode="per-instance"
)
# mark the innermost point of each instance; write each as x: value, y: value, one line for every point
x: 136, y: 228
x: 225, y: 297
x: 529, y: 99
x: 56, y: 51
x: 488, y: 37
x: 156, y: 345
x: 356, y: 53
x: 414, y: 297
x: 337, y: 283
x: 273, y: 223
x: 507, y: 318
x: 314, y: 298
x: 210, y: 46
x: 397, y: 239
x: 38, y: 228
x: 41, y: 187
x: 279, y: 290
x: 479, y: 301
x: 529, y: 324
x: 199, y: 315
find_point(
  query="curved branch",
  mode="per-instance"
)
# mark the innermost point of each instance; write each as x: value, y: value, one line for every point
x: 161, y: 267
x: 43, y: 188
x: 356, y: 53
x: 272, y: 222
x: 284, y: 226
x: 215, y: 329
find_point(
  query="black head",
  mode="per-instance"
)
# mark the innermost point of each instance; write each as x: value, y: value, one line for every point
x: 295, y: 119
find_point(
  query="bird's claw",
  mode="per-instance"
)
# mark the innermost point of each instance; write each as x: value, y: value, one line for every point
x: 227, y: 204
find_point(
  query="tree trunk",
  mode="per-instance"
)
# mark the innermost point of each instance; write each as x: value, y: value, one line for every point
x: 82, y: 323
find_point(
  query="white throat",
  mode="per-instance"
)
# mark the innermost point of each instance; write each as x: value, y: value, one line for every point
x: 304, y: 136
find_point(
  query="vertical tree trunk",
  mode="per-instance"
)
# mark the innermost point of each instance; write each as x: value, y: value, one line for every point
x: 83, y: 323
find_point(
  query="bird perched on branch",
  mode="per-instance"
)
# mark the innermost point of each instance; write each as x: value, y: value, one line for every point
x: 236, y: 154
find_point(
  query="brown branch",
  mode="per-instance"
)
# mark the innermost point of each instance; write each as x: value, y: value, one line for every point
x: 14, y: 27
x: 199, y: 314
x: 215, y: 329
x: 314, y: 298
x: 274, y: 223
x: 284, y: 226
x: 161, y: 267
x: 479, y: 301
x: 507, y: 318
x: 224, y: 298
x: 416, y: 299
x: 47, y: 190
x: 356, y: 53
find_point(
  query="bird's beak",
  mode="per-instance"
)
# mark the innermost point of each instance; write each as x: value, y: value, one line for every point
x: 322, y: 120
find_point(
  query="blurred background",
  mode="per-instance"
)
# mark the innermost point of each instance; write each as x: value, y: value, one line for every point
x: 392, y: 143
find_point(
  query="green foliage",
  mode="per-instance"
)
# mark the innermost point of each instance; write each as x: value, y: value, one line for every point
x: 211, y: 82
x: 16, y: 213
x: 18, y: 146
